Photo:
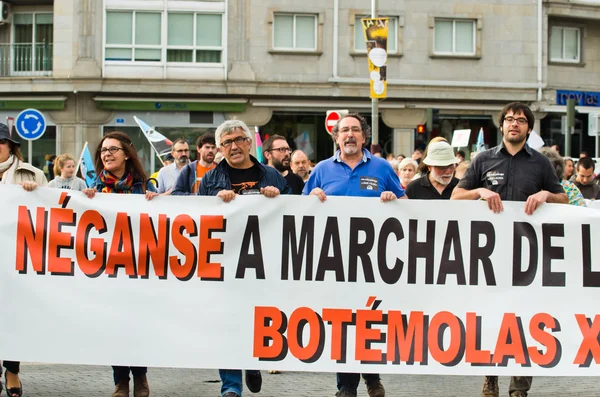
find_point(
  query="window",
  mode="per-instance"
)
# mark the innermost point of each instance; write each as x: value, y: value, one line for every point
x: 359, y: 37
x: 194, y: 37
x: 454, y: 37
x: 295, y: 32
x: 133, y: 36
x: 32, y: 42
x: 565, y: 44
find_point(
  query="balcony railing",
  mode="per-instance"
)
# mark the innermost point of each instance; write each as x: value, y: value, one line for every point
x: 25, y: 59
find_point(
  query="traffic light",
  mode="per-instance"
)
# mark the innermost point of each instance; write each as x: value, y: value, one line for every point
x: 421, y: 129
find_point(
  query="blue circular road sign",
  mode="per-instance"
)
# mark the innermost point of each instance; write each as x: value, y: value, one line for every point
x: 30, y: 124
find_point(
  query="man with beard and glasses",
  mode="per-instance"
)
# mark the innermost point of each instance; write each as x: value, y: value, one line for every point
x: 277, y: 152
x: 439, y: 182
x: 511, y: 171
x: 191, y: 176
x: 300, y: 164
x: 353, y: 171
x: 167, y: 176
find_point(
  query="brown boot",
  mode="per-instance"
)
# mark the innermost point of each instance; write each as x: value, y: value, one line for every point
x: 140, y: 386
x: 122, y: 389
x: 490, y: 387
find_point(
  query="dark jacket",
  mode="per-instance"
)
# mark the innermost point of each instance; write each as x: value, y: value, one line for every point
x: 185, y: 180
x: 217, y: 179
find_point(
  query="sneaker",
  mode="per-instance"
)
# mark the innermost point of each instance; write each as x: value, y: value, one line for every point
x: 253, y: 381
x: 121, y: 389
x: 140, y: 386
x: 490, y: 387
x: 518, y: 393
x: 344, y: 393
x: 274, y: 371
x: 375, y: 389
x: 230, y: 394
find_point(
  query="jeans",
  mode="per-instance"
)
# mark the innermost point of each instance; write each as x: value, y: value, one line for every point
x: 12, y: 366
x: 122, y: 373
x: 232, y: 380
x: 349, y: 382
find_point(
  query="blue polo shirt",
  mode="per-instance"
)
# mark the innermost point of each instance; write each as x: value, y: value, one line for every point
x: 371, y: 177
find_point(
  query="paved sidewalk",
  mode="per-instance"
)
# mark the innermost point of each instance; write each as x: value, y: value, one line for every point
x: 45, y: 380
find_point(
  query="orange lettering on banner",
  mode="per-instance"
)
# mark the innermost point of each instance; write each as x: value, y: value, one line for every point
x: 404, y: 339
x: 208, y: 245
x: 58, y: 239
x: 473, y: 354
x: 121, y: 248
x: 505, y: 349
x: 301, y: 317
x: 183, y: 271
x: 90, y: 267
x: 434, y: 339
x: 269, y: 325
x: 536, y: 329
x: 337, y: 318
x: 31, y: 239
x: 589, y: 348
x: 153, y: 247
x: 365, y: 334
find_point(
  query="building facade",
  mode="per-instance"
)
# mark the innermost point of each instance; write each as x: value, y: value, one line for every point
x: 184, y: 66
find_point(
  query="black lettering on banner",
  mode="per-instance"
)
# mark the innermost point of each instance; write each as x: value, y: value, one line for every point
x: 246, y: 259
x: 390, y: 226
x: 550, y: 252
x: 361, y: 250
x: 298, y: 251
x: 331, y: 263
x: 526, y: 277
x: 416, y: 249
x: 447, y: 265
x: 590, y: 277
x: 482, y: 253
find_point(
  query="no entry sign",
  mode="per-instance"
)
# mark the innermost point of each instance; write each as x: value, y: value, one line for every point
x: 333, y: 116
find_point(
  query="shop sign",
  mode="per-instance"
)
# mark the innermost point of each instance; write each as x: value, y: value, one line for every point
x: 582, y: 98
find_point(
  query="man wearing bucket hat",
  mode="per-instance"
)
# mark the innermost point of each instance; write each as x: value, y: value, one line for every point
x: 14, y: 170
x: 439, y: 182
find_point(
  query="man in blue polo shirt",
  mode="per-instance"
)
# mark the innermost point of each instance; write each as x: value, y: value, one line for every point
x: 353, y: 171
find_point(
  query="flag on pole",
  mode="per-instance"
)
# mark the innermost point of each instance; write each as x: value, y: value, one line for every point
x: 480, y: 141
x: 303, y: 143
x: 159, y: 143
x: 86, y: 165
x: 259, y: 152
x: 10, y: 123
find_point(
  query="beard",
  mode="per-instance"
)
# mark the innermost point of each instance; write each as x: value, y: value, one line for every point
x: 441, y: 180
x: 516, y: 139
x: 183, y: 160
x: 208, y: 158
x: 280, y: 166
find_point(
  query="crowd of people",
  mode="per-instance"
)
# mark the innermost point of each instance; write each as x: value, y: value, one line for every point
x: 511, y: 171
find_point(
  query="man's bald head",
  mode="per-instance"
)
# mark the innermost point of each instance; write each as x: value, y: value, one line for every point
x: 300, y: 164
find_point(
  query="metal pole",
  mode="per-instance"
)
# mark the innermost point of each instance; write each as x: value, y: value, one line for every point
x: 374, y: 102
x: 570, y: 126
x: 30, y: 150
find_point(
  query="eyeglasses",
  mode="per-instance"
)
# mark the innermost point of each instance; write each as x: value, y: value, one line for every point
x: 282, y: 150
x: 111, y: 150
x: 182, y: 151
x: 520, y: 120
x: 238, y: 141
x: 353, y: 130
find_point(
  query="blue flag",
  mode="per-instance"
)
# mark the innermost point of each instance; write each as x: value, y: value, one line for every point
x: 86, y: 165
x: 480, y: 141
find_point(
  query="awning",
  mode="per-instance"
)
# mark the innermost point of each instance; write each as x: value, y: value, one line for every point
x: 33, y: 102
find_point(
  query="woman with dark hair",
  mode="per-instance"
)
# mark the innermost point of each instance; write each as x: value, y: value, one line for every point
x: 14, y: 170
x: 119, y: 171
x: 573, y: 192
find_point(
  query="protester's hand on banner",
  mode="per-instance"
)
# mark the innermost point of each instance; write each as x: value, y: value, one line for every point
x: 388, y: 196
x: 89, y: 192
x: 319, y: 193
x: 535, y: 200
x: 150, y: 195
x: 493, y: 200
x: 226, y: 195
x: 269, y: 191
x: 29, y: 185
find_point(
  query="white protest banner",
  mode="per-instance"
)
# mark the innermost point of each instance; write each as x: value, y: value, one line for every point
x: 461, y: 138
x: 349, y: 285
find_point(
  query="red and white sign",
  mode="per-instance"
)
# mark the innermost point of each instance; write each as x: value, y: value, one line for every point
x: 333, y: 116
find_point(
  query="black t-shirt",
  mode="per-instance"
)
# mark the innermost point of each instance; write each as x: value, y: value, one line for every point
x: 294, y: 182
x: 422, y: 189
x: 244, y: 181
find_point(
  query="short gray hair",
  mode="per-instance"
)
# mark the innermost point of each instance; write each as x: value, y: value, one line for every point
x: 229, y: 126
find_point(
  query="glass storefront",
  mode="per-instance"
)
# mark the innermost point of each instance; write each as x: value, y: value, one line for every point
x: 46, y: 145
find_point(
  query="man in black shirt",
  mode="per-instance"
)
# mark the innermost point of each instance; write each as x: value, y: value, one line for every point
x: 585, y: 179
x: 439, y: 182
x: 511, y: 171
x: 239, y: 173
x: 277, y: 152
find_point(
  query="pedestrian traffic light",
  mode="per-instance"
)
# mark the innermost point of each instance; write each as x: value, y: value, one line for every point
x: 421, y: 129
